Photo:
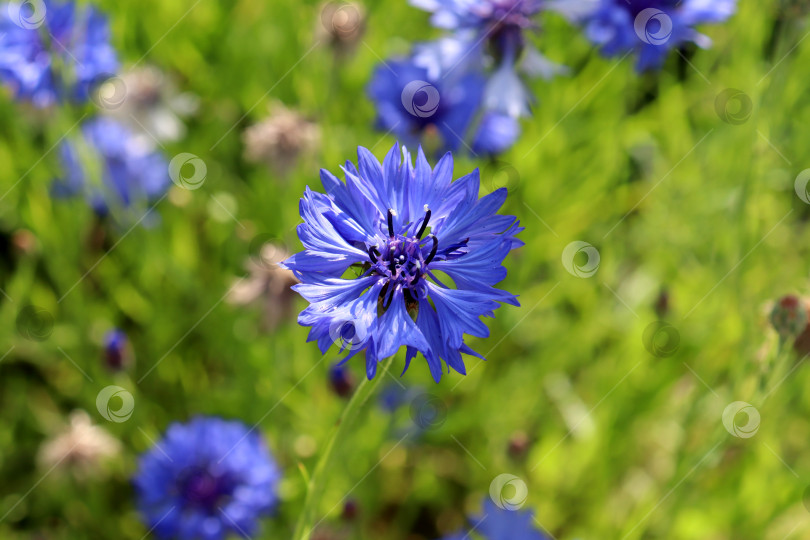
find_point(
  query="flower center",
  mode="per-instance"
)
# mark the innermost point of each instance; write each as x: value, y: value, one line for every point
x: 404, y: 259
x: 513, y: 12
x: 637, y: 6
x: 202, y: 489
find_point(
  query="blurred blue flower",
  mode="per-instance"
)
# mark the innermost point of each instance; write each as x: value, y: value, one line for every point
x: 394, y: 395
x: 398, y: 226
x: 112, y: 167
x: 484, y: 15
x: 489, y: 32
x: 415, y: 106
x: 649, y: 28
x: 54, y: 51
x: 206, y: 479
x: 499, y: 524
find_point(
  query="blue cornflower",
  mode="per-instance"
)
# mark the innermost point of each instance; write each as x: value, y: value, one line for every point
x: 53, y: 51
x: 482, y: 15
x: 206, y: 479
x: 416, y: 106
x: 400, y: 226
x: 650, y: 28
x: 112, y: 167
x: 497, y: 523
x: 489, y: 32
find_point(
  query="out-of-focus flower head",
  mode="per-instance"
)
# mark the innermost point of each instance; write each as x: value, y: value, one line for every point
x: 789, y: 316
x: 398, y: 225
x: 467, y: 86
x: 497, y: 523
x: 518, y: 445
x: 351, y: 508
x: 280, y: 139
x: 80, y: 447
x: 489, y: 33
x: 206, y: 479
x: 342, y: 24
x: 420, y: 108
x: 113, y: 169
x: 488, y: 16
x: 267, y: 283
x: 792, y: 10
x: 25, y: 242
x: 395, y: 395
x: 147, y: 100
x: 54, y: 51
x: 801, y: 343
x: 648, y: 28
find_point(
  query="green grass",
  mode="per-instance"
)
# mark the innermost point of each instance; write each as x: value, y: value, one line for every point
x: 624, y: 444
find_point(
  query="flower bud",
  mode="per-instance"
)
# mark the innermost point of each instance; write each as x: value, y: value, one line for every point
x: 340, y: 379
x: 117, y: 350
x: 789, y: 316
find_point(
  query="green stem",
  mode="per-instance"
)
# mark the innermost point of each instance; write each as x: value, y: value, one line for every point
x: 317, y: 481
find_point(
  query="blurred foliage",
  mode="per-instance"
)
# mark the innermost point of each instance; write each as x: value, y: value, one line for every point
x: 620, y: 443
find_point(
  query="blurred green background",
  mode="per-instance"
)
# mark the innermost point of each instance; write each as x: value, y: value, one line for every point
x: 694, y: 215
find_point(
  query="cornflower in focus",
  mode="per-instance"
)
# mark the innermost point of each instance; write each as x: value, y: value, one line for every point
x: 400, y: 227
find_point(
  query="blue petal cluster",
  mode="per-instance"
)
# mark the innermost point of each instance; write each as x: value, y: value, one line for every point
x: 53, y: 51
x: 205, y: 480
x: 467, y: 87
x: 395, y: 395
x: 418, y: 107
x: 651, y: 28
x: 481, y: 15
x: 111, y: 167
x: 499, y: 524
x: 426, y: 252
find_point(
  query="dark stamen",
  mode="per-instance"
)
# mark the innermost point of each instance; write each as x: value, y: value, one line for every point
x: 389, y: 299
x: 392, y: 265
x: 424, y: 225
x: 390, y: 223
x: 373, y: 254
x: 433, y: 249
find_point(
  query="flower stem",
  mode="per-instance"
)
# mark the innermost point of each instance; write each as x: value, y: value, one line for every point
x: 316, y: 485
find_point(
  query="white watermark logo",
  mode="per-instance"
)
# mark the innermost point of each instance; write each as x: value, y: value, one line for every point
x: 653, y: 26
x: 732, y: 414
x: 120, y: 414
x: 589, y: 267
x: 421, y: 99
x: 508, y: 492
x: 183, y: 179
x: 29, y: 14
